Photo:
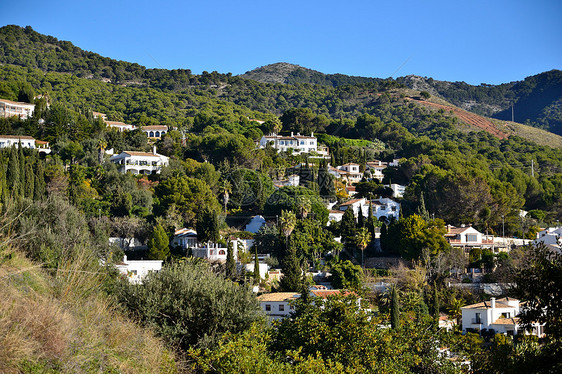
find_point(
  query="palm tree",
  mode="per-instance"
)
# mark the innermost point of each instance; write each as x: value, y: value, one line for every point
x: 288, y: 221
x: 363, y: 239
x: 102, y: 144
x: 225, y: 189
x: 454, y: 308
x: 304, y: 206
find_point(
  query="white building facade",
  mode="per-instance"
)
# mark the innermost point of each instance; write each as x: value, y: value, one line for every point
x: 140, y: 162
x: 136, y: 270
x: 297, y: 143
x: 497, y: 315
x: 9, y: 108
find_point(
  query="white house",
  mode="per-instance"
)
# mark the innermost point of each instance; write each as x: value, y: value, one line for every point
x: 467, y: 237
x: 140, y: 162
x: 98, y: 114
x: 351, y: 172
x: 9, y: 108
x: 385, y: 207
x: 25, y: 141
x: 357, y: 205
x: 382, y: 207
x: 185, y: 238
x: 155, y: 131
x: 551, y: 237
x: 277, y: 305
x: 297, y: 143
x: 335, y: 216
x: 497, y: 315
x: 120, y: 126
x: 136, y: 270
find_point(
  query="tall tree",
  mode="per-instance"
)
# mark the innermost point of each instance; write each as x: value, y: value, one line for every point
x: 208, y: 225
x: 348, y: 228
x: 230, y: 262
x: 363, y: 239
x: 158, y: 244
x: 257, y: 276
x: 287, y: 221
x: 291, y: 280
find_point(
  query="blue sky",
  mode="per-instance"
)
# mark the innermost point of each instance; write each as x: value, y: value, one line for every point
x: 473, y: 41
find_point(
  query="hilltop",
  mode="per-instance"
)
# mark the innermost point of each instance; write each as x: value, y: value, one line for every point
x: 261, y: 93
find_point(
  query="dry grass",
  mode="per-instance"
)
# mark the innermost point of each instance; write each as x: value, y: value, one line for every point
x: 62, y: 323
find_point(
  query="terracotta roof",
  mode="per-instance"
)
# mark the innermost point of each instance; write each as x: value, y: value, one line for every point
x: 278, y: 296
x: 457, y: 230
x: 117, y: 123
x: 17, y: 137
x: 487, y: 305
x: 325, y: 293
x: 143, y: 154
x: 351, y: 202
x: 14, y: 102
x: 506, y: 321
x: 155, y: 127
x: 336, y: 211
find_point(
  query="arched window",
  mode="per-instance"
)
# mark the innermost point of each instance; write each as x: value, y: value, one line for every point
x: 222, y: 252
x: 151, y: 134
x: 157, y: 134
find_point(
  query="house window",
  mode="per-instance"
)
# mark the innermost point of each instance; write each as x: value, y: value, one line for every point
x: 281, y: 307
x: 471, y: 237
x: 506, y: 315
x: 394, y: 209
x: 267, y: 308
x: 477, y: 320
x: 221, y: 252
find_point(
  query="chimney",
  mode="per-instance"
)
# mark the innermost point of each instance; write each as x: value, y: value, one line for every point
x: 154, y: 149
x: 311, y: 134
x: 125, y: 259
x: 493, y: 302
x: 291, y: 134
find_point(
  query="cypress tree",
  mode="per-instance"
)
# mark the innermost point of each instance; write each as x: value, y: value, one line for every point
x: 291, y: 270
x: 13, y: 172
x: 348, y: 228
x: 21, y: 159
x: 256, y: 266
x: 395, y: 309
x: 360, y: 219
x: 230, y: 263
x: 29, y: 186
x: 40, y: 185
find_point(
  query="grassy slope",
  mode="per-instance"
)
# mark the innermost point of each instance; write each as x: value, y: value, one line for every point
x: 52, y: 324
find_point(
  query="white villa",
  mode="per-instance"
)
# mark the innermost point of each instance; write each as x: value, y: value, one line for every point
x: 140, y: 162
x: 25, y: 141
x: 136, y: 270
x: 349, y: 172
x: 120, y: 126
x: 398, y: 190
x: 277, y: 305
x: 155, y: 131
x: 551, y: 237
x: 497, y: 315
x: 382, y: 208
x: 298, y: 143
x: 467, y: 237
x: 9, y: 108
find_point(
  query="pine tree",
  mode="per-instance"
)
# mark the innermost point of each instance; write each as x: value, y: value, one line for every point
x: 159, y: 244
x: 230, y: 262
x: 395, y: 309
x: 291, y: 280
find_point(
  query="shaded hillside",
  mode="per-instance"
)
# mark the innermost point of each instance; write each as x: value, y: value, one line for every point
x: 537, y: 100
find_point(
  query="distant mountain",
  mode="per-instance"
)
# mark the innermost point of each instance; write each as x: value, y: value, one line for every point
x: 537, y: 100
x: 283, y: 72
